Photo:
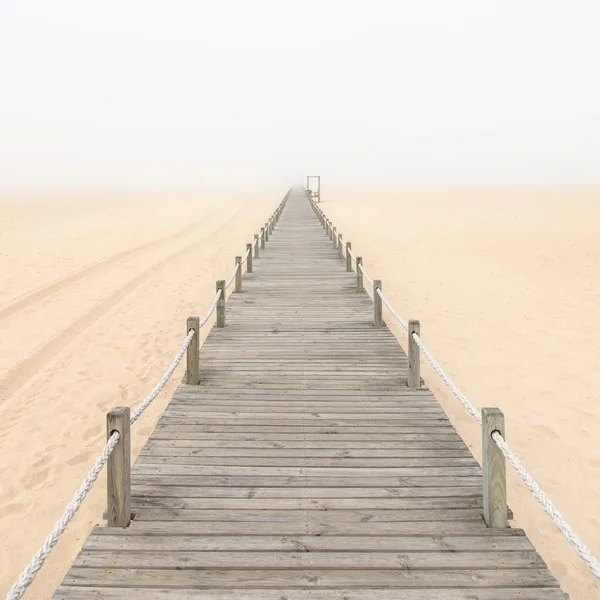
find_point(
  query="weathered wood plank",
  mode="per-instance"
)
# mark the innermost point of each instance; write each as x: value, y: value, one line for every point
x: 309, y: 578
x: 503, y: 593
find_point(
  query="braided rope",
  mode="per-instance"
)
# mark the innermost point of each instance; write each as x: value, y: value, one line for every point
x: 438, y: 369
x: 365, y: 274
x: 29, y: 573
x: 232, y: 278
x: 211, y: 310
x: 580, y: 548
x: 351, y: 253
x: 246, y: 256
x: 163, y: 380
x: 391, y: 309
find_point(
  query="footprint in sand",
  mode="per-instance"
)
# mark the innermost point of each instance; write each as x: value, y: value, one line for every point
x: 546, y: 432
x: 39, y: 479
x: 13, y: 508
x: 92, y: 432
x: 82, y: 457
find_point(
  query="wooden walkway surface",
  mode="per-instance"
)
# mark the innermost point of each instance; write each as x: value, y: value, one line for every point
x: 302, y: 466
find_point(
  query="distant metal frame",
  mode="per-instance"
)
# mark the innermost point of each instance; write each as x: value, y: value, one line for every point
x: 314, y: 194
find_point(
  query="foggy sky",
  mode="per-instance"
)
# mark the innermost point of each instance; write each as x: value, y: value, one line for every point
x: 254, y: 93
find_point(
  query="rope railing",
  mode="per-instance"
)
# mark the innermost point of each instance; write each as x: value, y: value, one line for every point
x: 246, y: 256
x: 494, y: 478
x: 365, y: 274
x: 232, y: 278
x: 391, y: 309
x: 191, y: 346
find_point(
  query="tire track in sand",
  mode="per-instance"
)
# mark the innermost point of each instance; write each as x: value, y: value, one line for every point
x: 30, y: 367
x: 31, y: 298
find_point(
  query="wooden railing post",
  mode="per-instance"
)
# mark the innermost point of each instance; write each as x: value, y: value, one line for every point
x: 249, y: 259
x: 272, y: 225
x: 331, y: 230
x: 221, y: 304
x: 414, y: 355
x: 494, y: 470
x: 334, y: 236
x: 340, y: 246
x: 193, y: 352
x: 359, y: 275
x: 348, y: 257
x: 262, y: 237
x: 118, y: 469
x: 327, y: 227
x: 267, y: 231
x: 238, y: 275
x: 377, y: 305
x: 256, y: 244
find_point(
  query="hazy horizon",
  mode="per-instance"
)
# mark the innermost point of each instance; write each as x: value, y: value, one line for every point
x: 139, y: 96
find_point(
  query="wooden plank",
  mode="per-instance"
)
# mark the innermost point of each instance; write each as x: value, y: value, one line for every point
x: 311, y: 504
x: 318, y: 516
x: 111, y: 593
x: 307, y: 559
x: 487, y: 544
x: 362, y: 480
x: 189, y: 491
x: 309, y: 578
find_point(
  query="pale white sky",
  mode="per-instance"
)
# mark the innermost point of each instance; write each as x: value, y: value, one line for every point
x: 240, y: 93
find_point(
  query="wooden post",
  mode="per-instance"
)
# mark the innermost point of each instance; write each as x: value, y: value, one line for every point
x: 494, y: 470
x: 238, y: 276
x: 249, y: 259
x: 340, y: 247
x: 256, y: 245
x: 262, y: 237
x: 348, y: 257
x: 331, y: 230
x: 267, y: 231
x: 327, y: 227
x: 221, y: 304
x: 334, y: 236
x: 377, y: 305
x: 118, y: 469
x: 359, y: 275
x: 414, y: 356
x: 272, y: 225
x: 193, y: 352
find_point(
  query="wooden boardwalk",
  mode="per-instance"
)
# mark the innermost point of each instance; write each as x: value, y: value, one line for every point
x: 302, y: 466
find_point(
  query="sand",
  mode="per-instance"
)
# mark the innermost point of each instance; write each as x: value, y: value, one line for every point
x: 96, y: 290
x: 506, y: 284
x: 94, y: 297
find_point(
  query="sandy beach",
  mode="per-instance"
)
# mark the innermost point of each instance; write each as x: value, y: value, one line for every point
x: 94, y: 297
x: 96, y: 290
x: 505, y: 282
